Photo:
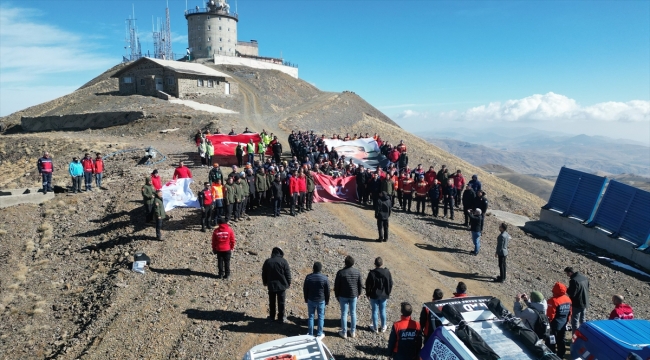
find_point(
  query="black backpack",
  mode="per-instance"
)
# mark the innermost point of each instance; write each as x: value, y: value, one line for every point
x: 542, y: 326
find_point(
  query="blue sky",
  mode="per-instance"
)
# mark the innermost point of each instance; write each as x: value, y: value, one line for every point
x: 432, y: 63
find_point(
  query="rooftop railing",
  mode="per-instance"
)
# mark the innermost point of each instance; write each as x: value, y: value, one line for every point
x: 210, y: 12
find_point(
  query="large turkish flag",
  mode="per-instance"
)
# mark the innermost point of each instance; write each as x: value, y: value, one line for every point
x: 330, y: 189
x: 224, y: 145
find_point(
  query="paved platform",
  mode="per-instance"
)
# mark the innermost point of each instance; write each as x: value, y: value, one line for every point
x: 510, y: 218
x: 13, y: 197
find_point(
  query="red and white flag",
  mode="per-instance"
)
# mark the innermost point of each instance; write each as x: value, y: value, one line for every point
x: 330, y: 189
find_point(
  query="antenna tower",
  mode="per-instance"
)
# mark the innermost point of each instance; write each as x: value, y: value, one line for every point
x: 133, y: 41
x: 167, y: 37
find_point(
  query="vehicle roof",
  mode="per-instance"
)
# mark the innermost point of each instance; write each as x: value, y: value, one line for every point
x: 304, y: 346
x: 628, y: 333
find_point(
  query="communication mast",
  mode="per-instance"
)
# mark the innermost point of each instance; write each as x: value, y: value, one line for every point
x: 158, y: 47
x: 132, y: 39
x: 167, y: 36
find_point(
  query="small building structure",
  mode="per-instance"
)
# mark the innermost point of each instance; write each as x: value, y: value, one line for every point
x: 149, y: 77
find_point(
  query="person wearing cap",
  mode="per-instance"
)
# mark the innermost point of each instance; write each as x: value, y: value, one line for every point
x: 421, y: 189
x: 407, y: 192
x: 89, y: 169
x: 475, y: 229
x: 182, y: 172
x: 159, y: 213
x: 205, y: 201
x: 215, y: 174
x: 475, y: 184
x: 316, y: 292
x: 535, y: 305
x: 217, y: 199
x: 502, y: 251
x: 76, y: 171
x: 621, y: 310
x: 449, y: 194
x: 405, y: 340
x: 148, y: 197
x: 379, y: 285
x: 276, y: 276
x: 223, y: 244
x: 46, y: 168
x: 230, y: 197
x: 461, y: 290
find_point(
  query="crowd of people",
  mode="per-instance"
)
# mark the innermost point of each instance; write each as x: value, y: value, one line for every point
x: 269, y: 185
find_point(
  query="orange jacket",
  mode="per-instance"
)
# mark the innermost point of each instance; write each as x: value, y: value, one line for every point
x: 559, y: 306
x: 407, y: 185
x: 421, y: 188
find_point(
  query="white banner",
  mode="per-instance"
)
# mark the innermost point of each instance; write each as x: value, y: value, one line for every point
x: 362, y: 151
x: 177, y: 193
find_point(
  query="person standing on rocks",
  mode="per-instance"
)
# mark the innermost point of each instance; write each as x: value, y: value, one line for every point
x: 99, y: 170
x: 89, y: 169
x: 302, y: 188
x: 203, y: 151
x: 294, y: 192
x: 148, y: 197
x: 215, y: 174
x: 311, y: 187
x: 379, y: 285
x: 469, y: 199
x: 475, y: 184
x: 382, y: 213
x: 276, y: 276
x: 482, y: 204
x: 239, y: 153
x: 475, y: 229
x: 407, y: 192
x: 205, y: 201
x: 261, y: 149
x: 347, y: 289
x: 182, y: 172
x: 405, y: 339
x: 316, y: 291
x: 277, y: 195
x: 241, y: 193
x: 76, y: 171
x: 250, y: 151
x: 435, y: 194
x: 502, y: 251
x: 217, y: 198
x: 46, y: 169
x: 578, y: 292
x: 277, y: 149
x: 223, y: 244
x: 159, y: 213
x: 230, y: 198
x: 421, y: 189
x: 558, y: 313
x: 261, y: 185
x: 156, y: 181
x: 449, y: 194
x: 209, y: 152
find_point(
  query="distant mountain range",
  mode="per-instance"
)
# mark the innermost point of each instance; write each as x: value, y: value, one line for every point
x: 543, y: 153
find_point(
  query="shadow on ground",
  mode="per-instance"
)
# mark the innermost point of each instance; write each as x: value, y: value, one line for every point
x: 457, y: 275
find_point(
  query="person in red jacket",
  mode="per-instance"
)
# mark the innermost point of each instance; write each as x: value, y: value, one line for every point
x: 621, y: 310
x: 302, y: 188
x: 156, y: 181
x: 294, y: 191
x: 405, y: 339
x: 205, y: 201
x: 99, y: 170
x: 430, y: 175
x: 459, y: 184
x: 393, y: 156
x: 421, y: 187
x: 407, y: 192
x: 223, y: 244
x: 461, y: 290
x: 182, y: 172
x: 89, y: 168
x: 558, y: 312
x: 46, y: 168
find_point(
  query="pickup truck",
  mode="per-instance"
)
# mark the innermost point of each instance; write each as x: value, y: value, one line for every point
x: 479, y: 327
x: 611, y: 339
x: 303, y: 347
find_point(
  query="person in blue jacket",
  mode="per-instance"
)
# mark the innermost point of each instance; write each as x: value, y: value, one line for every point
x: 76, y: 171
x: 475, y: 184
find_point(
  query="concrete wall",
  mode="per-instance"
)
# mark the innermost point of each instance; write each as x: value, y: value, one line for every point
x: 16, y: 197
x: 80, y: 121
x: 248, y: 48
x: 143, y: 79
x: 210, y: 34
x: 257, y: 64
x: 189, y: 84
x: 596, y: 237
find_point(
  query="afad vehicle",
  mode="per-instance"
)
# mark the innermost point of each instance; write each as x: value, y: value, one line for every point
x: 611, y: 339
x: 303, y: 347
x: 479, y: 327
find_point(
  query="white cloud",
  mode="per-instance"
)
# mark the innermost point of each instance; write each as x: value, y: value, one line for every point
x: 34, y: 53
x: 553, y: 107
x: 411, y: 114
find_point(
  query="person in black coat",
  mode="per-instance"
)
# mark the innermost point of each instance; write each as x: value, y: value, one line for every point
x: 481, y: 203
x: 449, y: 194
x: 276, y: 276
x: 374, y: 187
x: 316, y: 291
x: 469, y: 200
x: 403, y: 160
x: 382, y: 213
x: 277, y: 150
x: 379, y: 285
x: 435, y: 192
x: 362, y: 180
x: 347, y: 288
x: 276, y: 195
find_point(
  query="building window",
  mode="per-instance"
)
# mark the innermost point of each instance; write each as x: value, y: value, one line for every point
x: 228, y: 40
x: 208, y: 39
x: 219, y: 18
x: 209, y: 27
x: 228, y: 29
x: 208, y: 17
x: 127, y: 80
x: 220, y: 48
x: 170, y: 81
x: 210, y: 83
x: 219, y: 27
x: 199, y: 82
x: 220, y: 39
x: 141, y: 81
